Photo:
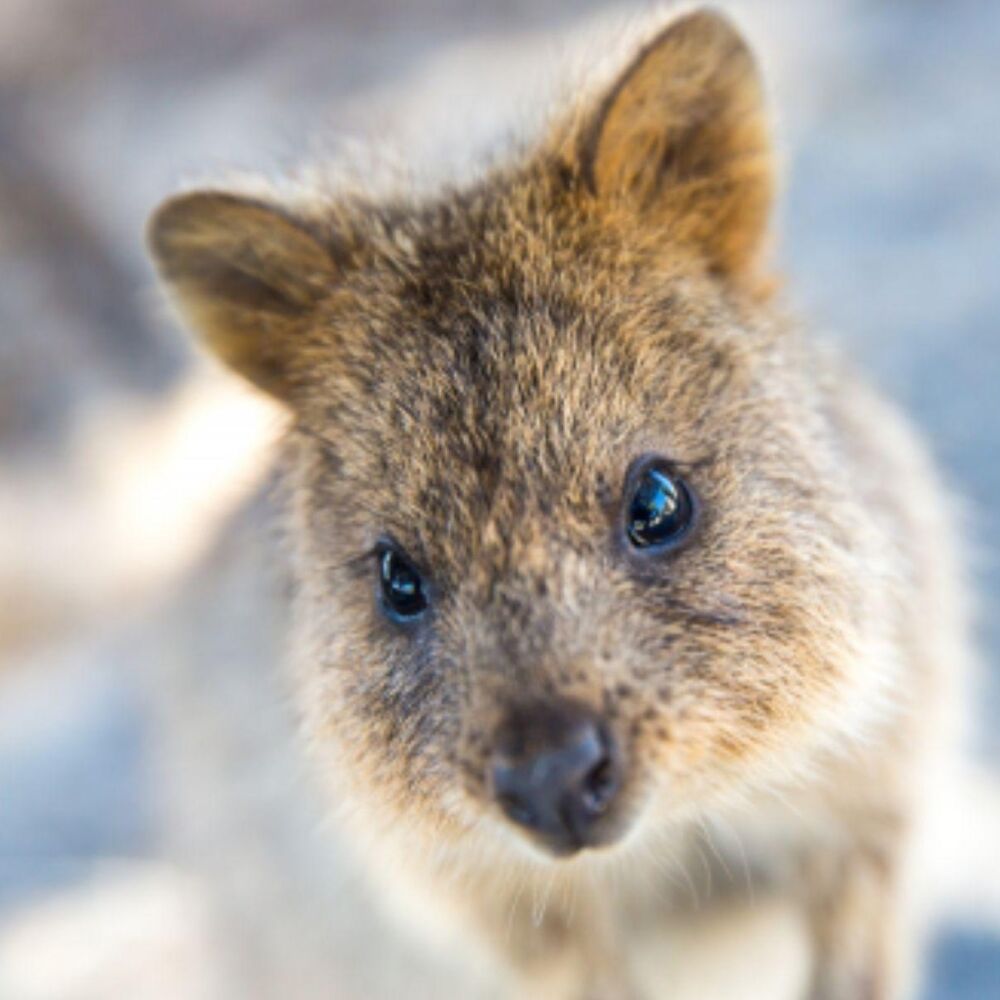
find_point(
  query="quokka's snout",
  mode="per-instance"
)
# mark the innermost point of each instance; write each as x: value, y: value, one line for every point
x: 557, y: 771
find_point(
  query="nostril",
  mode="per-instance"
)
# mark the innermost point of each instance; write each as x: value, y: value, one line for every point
x: 516, y: 809
x: 599, y: 786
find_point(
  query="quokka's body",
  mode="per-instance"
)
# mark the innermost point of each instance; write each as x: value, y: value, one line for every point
x: 622, y: 618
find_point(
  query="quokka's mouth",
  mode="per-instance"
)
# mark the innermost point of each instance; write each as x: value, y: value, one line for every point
x: 565, y: 848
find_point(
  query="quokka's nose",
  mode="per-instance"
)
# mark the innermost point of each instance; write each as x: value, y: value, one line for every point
x: 557, y: 772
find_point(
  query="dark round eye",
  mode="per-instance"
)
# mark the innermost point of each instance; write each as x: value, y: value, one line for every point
x: 660, y: 509
x: 402, y: 588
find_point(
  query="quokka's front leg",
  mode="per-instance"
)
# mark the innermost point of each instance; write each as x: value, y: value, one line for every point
x: 572, y: 977
x: 858, y: 929
x: 582, y: 971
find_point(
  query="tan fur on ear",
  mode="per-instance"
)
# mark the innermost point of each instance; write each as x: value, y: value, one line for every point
x: 245, y: 275
x: 682, y: 139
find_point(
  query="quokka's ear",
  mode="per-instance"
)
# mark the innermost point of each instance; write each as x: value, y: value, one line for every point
x: 246, y: 275
x: 682, y: 140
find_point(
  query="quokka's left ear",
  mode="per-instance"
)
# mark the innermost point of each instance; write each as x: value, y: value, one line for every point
x: 681, y: 141
x: 248, y: 276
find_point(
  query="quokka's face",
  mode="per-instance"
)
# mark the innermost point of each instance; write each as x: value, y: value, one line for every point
x: 569, y: 553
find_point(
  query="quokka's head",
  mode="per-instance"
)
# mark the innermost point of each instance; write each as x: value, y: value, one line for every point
x: 573, y: 544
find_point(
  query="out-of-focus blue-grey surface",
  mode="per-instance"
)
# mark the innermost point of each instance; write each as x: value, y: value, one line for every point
x: 890, y: 232
x: 73, y: 772
x: 893, y: 238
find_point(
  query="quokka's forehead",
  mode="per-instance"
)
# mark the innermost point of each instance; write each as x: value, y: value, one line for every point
x: 510, y: 382
x: 521, y: 422
x: 493, y: 290
x: 529, y: 367
x: 489, y: 378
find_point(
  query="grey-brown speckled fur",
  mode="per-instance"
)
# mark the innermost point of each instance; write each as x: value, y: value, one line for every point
x: 473, y: 374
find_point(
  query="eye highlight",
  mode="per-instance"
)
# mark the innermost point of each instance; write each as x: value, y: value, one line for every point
x: 660, y: 508
x: 403, y: 594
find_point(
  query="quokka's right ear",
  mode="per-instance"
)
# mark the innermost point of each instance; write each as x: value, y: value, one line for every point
x: 247, y: 276
x: 681, y: 142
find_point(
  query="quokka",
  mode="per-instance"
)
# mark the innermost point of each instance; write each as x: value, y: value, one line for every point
x: 623, y: 617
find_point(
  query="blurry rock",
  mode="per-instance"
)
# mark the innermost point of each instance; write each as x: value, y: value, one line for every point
x: 140, y: 931
x: 146, y: 489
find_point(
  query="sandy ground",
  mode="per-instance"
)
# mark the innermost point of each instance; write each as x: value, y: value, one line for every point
x: 120, y: 453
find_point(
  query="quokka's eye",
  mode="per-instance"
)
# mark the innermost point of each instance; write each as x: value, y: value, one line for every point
x: 660, y: 507
x: 402, y: 587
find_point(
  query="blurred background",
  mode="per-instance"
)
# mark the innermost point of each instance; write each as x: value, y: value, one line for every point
x: 122, y: 452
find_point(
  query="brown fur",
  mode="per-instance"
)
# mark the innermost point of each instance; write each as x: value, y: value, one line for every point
x: 472, y: 375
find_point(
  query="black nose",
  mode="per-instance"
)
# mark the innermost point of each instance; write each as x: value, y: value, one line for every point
x: 556, y: 771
